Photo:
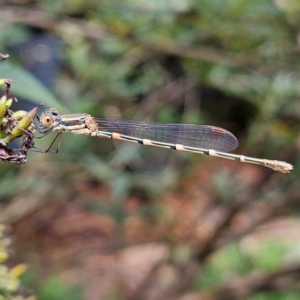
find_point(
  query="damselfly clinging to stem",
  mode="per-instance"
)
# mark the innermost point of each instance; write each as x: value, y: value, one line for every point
x: 203, y: 139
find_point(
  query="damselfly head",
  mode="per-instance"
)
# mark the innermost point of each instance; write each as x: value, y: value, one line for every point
x: 49, y: 117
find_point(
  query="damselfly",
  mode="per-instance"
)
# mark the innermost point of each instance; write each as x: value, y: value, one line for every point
x: 203, y: 139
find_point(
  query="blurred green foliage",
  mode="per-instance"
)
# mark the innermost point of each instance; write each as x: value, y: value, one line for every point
x: 37, y: 93
x: 9, y: 277
x: 237, y: 262
x: 53, y: 289
x: 275, y: 296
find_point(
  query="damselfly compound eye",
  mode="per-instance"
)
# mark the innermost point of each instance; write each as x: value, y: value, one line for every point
x: 46, y: 120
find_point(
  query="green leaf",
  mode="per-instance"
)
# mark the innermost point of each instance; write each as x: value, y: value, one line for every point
x: 27, y: 86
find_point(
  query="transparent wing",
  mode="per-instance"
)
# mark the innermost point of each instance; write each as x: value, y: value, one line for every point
x: 199, y: 136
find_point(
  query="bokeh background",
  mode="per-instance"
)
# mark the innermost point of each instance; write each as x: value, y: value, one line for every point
x: 113, y: 220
